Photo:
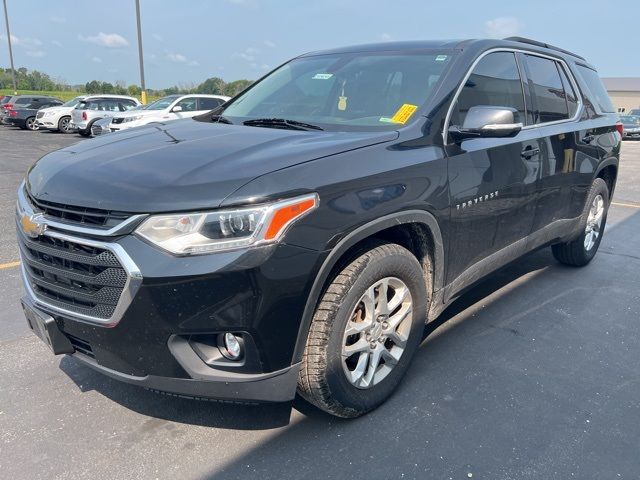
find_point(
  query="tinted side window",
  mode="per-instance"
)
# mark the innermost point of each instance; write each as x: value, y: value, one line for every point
x: 495, y: 81
x: 127, y: 105
x: 208, y: 103
x: 188, y: 104
x: 546, y: 85
x: 570, y: 94
x: 24, y: 100
x: 599, y: 94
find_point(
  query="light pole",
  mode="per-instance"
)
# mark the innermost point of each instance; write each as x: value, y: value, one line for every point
x: 13, y: 70
x: 143, y: 94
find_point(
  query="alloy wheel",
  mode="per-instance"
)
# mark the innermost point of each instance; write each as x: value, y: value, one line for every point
x: 594, y: 222
x: 32, y: 124
x: 65, y: 125
x: 377, y: 332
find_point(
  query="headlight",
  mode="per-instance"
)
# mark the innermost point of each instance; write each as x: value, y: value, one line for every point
x: 132, y: 119
x: 49, y: 114
x: 206, y: 232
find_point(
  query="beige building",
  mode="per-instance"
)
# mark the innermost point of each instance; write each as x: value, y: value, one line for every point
x: 624, y: 92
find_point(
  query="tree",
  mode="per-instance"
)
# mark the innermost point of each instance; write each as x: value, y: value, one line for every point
x: 134, y: 90
x: 93, y: 86
x: 231, y: 89
x: 212, y: 86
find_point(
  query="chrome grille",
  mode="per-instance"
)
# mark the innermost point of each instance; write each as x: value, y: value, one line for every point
x: 72, y: 276
x: 79, y: 215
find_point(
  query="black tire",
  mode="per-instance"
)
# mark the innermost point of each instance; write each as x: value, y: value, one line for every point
x: 61, y: 125
x: 575, y: 252
x: 87, y: 131
x: 322, y: 380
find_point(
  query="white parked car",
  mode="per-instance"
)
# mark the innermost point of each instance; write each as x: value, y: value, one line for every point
x: 172, y: 107
x: 93, y: 108
x: 58, y: 118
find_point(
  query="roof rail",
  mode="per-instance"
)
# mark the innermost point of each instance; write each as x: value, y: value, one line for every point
x: 543, y: 45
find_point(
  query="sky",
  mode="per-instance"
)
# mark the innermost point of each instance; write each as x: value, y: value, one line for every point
x: 187, y: 41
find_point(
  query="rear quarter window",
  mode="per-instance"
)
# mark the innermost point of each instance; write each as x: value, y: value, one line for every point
x: 598, y: 94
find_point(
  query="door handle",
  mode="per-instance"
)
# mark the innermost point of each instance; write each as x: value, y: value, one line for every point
x: 588, y: 138
x: 529, y: 152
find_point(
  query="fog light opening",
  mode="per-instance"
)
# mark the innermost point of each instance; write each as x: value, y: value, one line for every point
x: 232, y: 348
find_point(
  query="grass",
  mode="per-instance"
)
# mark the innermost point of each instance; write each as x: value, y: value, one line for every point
x: 61, y: 95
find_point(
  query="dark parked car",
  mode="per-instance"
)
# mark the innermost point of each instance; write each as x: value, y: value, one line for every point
x: 16, y: 102
x: 631, y: 125
x: 300, y: 236
x: 25, y: 117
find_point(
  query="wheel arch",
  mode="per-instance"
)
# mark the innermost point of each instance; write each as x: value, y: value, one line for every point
x: 428, y: 244
x: 608, y: 171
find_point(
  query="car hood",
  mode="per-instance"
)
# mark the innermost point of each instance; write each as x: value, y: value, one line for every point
x: 140, y: 113
x: 183, y: 165
x: 56, y: 109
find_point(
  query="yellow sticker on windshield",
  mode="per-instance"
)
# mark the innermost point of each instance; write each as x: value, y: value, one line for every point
x: 404, y: 113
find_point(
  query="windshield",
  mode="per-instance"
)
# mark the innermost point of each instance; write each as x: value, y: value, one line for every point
x: 630, y: 119
x: 347, y: 91
x: 72, y: 103
x: 162, y: 103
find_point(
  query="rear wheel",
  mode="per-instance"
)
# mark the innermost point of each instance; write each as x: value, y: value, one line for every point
x: 581, y: 250
x: 64, y: 125
x: 365, y: 331
x: 31, y: 124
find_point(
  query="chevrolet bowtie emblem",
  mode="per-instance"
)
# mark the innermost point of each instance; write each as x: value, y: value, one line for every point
x: 32, y: 226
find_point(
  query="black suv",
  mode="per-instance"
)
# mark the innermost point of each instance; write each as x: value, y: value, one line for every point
x: 298, y: 237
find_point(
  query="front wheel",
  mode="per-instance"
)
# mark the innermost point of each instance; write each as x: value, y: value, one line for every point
x: 365, y: 331
x: 581, y: 250
x: 64, y: 125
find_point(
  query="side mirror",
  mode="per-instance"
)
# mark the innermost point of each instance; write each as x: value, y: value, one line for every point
x: 176, y: 109
x: 483, y: 121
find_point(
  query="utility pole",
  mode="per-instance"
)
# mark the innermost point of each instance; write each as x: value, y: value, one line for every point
x: 144, y: 90
x: 13, y: 70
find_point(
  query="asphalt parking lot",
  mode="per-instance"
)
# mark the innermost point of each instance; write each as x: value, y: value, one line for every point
x: 532, y: 375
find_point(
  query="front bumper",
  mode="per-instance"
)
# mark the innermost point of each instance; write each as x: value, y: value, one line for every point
x: 175, y: 301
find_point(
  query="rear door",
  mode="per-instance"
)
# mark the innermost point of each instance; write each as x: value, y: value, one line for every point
x: 554, y: 107
x: 492, y: 180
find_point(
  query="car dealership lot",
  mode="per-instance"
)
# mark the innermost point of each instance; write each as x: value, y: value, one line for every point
x: 533, y: 374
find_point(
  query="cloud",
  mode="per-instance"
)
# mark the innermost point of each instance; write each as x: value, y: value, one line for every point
x: 31, y: 46
x: 96, y: 59
x: 269, y: 44
x: 180, y: 58
x: 157, y: 37
x: 249, y: 54
x: 57, y: 19
x: 502, y: 27
x: 56, y: 43
x: 385, y: 37
x: 110, y: 40
x: 177, y: 57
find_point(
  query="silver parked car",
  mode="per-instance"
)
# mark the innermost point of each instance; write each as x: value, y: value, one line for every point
x: 95, y: 108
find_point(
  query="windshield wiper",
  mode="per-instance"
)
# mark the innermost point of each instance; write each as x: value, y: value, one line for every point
x: 220, y: 119
x: 281, y: 123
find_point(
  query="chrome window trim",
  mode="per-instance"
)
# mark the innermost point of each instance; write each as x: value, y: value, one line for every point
x: 24, y: 206
x: 568, y: 71
x: 134, y: 280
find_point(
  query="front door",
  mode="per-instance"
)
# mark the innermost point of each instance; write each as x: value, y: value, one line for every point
x: 492, y: 180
